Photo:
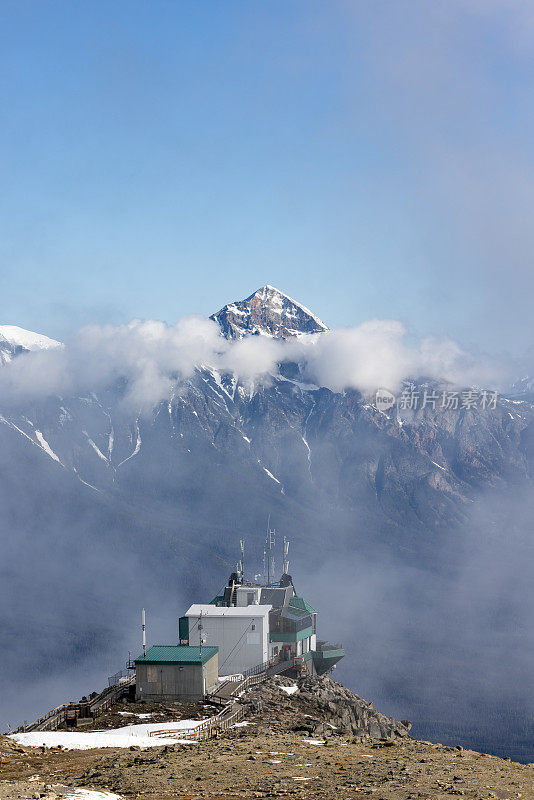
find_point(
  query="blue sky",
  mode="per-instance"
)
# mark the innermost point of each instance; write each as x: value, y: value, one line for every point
x: 370, y: 159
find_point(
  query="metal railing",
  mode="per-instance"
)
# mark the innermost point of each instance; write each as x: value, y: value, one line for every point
x: 228, y: 716
x: 210, y: 727
x: 120, y: 677
x: 87, y: 708
x: 259, y: 668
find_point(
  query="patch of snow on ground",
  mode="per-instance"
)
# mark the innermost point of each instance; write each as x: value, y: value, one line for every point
x: 314, y: 741
x: 290, y: 689
x: 118, y: 737
x: 242, y: 724
x: 91, y: 794
x: 133, y: 714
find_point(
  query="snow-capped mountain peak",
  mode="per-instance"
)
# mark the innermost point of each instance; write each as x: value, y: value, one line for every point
x: 267, y: 312
x: 14, y: 340
x: 19, y: 337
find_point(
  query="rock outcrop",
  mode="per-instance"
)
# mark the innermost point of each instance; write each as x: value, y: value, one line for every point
x: 321, y: 707
x: 338, y: 706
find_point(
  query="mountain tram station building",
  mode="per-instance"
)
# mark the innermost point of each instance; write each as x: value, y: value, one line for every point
x: 250, y: 629
x: 257, y: 625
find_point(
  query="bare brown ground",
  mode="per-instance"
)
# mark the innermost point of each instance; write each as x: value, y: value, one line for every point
x: 249, y: 762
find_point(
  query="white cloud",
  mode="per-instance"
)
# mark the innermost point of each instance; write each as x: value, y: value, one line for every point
x: 150, y: 358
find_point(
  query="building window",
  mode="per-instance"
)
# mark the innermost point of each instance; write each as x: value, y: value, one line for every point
x: 250, y: 598
x: 253, y: 628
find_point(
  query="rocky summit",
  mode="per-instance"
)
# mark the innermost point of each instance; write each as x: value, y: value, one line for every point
x: 267, y: 312
x: 311, y: 739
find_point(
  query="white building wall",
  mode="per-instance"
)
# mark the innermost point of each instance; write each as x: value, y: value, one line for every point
x: 247, y: 595
x: 241, y: 636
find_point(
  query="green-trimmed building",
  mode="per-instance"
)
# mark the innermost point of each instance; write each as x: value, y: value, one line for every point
x: 176, y: 672
x: 254, y: 624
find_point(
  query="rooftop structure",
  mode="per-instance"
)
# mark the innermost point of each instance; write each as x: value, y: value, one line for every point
x: 256, y: 623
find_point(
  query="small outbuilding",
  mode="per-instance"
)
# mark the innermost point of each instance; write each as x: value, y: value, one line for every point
x: 176, y: 672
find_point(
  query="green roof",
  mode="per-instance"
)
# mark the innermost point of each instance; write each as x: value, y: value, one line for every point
x: 176, y: 654
x: 300, y: 602
x: 216, y: 600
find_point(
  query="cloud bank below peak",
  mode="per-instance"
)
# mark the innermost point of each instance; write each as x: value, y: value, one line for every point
x: 149, y: 358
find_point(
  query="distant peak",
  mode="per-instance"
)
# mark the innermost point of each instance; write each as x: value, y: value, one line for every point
x: 267, y: 312
x: 28, y: 340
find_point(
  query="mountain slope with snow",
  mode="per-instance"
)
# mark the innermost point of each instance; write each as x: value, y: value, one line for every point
x: 28, y: 340
x: 15, y: 340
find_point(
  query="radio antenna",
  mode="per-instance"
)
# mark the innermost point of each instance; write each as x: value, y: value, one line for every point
x: 269, y: 547
x: 285, y: 568
x: 143, y: 629
x: 242, y: 565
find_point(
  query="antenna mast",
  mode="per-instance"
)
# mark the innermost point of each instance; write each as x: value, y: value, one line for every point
x: 143, y: 629
x: 285, y: 568
x: 269, y: 554
x: 242, y: 564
